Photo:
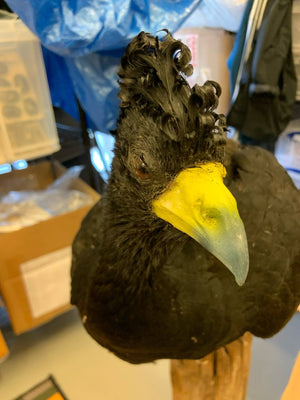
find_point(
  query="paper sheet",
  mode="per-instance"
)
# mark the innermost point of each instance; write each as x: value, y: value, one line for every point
x: 47, y: 281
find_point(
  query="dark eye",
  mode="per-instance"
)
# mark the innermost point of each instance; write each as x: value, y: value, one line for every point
x: 141, y: 168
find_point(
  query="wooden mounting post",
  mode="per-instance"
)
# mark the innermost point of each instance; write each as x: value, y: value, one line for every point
x: 222, y: 375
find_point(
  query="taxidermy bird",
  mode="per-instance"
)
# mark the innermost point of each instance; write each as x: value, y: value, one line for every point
x: 196, y: 239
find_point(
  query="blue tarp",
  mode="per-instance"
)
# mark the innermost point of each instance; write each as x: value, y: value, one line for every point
x: 83, y: 41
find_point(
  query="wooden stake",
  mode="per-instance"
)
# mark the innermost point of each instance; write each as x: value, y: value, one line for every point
x: 222, y: 375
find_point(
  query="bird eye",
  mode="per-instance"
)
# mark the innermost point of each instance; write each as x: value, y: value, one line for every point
x: 141, y: 168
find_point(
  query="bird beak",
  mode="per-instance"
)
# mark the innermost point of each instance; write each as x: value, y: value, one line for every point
x: 199, y: 204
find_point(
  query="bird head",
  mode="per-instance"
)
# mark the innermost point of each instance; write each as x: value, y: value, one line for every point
x: 169, y: 151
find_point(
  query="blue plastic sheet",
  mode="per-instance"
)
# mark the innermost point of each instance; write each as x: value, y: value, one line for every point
x: 60, y: 83
x: 89, y: 37
x: 224, y: 14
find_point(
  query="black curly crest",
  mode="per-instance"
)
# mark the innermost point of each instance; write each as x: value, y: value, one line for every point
x: 152, y: 79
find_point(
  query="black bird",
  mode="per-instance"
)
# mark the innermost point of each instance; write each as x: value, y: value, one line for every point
x: 160, y: 264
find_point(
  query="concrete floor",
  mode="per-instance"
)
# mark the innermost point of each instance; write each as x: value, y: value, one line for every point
x: 85, y: 371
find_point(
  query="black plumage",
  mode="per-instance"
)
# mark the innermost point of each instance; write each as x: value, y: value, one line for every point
x: 144, y: 289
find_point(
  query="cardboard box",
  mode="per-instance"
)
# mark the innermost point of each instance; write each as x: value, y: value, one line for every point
x: 210, y: 50
x: 35, y: 260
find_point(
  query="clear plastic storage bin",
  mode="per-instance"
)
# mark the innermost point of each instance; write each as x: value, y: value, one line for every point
x: 27, y: 125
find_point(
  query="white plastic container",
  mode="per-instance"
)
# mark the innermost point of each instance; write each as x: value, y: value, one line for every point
x: 27, y: 125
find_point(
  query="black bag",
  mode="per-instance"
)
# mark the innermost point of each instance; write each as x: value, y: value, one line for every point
x: 267, y: 91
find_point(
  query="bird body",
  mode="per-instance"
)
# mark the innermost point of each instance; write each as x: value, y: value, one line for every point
x: 144, y: 288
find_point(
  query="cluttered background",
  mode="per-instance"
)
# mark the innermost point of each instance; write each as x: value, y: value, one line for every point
x: 58, y: 107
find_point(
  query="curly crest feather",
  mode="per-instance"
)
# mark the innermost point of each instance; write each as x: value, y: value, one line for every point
x: 152, y: 79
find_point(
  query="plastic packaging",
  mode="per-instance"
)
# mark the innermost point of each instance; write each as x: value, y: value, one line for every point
x: 75, y: 28
x: 14, y: 216
x: 91, y: 36
x: 225, y: 14
x: 23, y: 208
